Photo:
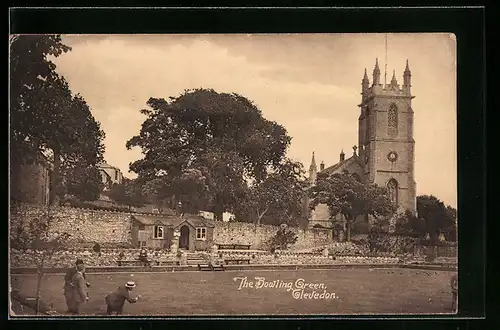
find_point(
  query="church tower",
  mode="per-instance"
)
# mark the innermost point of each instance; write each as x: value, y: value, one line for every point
x: 385, y: 136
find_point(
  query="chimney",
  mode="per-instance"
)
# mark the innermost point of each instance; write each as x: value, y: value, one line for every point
x: 322, y: 166
x: 342, y: 156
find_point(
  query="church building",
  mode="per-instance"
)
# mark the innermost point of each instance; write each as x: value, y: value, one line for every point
x: 385, y: 152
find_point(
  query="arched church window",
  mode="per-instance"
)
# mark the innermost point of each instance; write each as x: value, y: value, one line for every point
x: 392, y: 187
x: 392, y: 120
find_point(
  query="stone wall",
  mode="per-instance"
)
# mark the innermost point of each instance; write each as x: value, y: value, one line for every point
x: 109, y: 227
x: 83, y: 225
x: 258, y: 236
x: 109, y: 258
x: 67, y: 258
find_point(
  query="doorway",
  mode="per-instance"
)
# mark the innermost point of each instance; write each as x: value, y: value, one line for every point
x: 184, y: 238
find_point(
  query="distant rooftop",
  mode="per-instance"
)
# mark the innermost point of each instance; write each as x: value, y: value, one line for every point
x: 106, y: 165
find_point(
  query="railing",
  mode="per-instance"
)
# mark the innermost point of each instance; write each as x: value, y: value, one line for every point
x: 436, y: 250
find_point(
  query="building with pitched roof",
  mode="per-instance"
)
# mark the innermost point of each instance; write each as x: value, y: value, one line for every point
x: 155, y: 231
x: 110, y: 175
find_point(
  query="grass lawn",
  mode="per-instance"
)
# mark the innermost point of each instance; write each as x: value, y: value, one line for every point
x: 357, y: 291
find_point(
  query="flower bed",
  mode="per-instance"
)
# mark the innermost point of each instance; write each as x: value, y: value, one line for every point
x: 291, y: 258
x: 91, y: 259
x: 343, y: 248
x: 109, y: 257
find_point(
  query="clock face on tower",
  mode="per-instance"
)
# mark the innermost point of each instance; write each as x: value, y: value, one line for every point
x: 392, y: 156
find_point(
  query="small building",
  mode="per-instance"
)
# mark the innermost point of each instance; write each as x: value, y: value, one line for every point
x: 155, y: 231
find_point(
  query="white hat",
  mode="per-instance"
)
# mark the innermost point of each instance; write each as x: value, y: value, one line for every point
x: 130, y: 284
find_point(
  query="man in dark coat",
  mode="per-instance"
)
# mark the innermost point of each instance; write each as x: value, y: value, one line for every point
x: 116, y: 300
x: 143, y: 256
x: 68, y: 282
x: 454, y: 291
x: 79, y: 294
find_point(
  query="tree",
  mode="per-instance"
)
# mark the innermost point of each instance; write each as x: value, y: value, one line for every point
x: 44, y: 115
x: 224, y: 136
x: 129, y: 193
x: 157, y: 191
x: 83, y: 182
x: 278, y: 199
x: 192, y: 191
x: 32, y: 75
x: 345, y: 195
x: 437, y: 217
x: 451, y: 231
x: 38, y: 236
x: 408, y: 223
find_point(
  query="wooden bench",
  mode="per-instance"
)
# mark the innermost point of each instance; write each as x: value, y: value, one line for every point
x: 233, y: 246
x: 211, y: 267
x: 237, y: 261
x: 168, y: 262
x: 130, y: 263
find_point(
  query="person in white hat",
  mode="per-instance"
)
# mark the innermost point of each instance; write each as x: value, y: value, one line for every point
x: 116, y: 300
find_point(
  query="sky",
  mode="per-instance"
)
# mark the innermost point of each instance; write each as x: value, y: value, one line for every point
x: 309, y: 83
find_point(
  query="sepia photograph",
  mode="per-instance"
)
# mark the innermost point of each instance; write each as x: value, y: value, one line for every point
x: 233, y: 175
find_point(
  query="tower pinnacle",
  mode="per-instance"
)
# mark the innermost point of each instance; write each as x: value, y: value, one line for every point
x: 407, y: 69
x: 313, y: 166
x: 313, y: 170
x: 394, y: 82
x: 407, y: 77
x: 376, y: 73
x: 365, y: 82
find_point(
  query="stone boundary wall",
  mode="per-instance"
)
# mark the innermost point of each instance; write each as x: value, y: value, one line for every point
x: 65, y: 259
x: 162, y: 269
x: 258, y: 236
x: 84, y: 225
x: 115, y: 227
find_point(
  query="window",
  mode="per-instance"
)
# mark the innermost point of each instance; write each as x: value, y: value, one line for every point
x: 392, y: 187
x: 158, y: 232
x: 392, y: 120
x: 116, y: 175
x: 201, y: 233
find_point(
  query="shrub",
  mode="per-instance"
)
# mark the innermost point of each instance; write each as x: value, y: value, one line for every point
x: 282, y: 240
x: 360, y: 227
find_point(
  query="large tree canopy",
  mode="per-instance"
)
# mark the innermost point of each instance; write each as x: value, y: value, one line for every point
x: 278, y: 199
x: 37, y: 92
x: 44, y: 115
x: 129, y: 193
x: 437, y: 217
x: 224, y: 136
x: 83, y: 182
x: 345, y: 195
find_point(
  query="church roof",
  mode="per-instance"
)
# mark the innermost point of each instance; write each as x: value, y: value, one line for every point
x: 195, y: 221
x: 334, y: 168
